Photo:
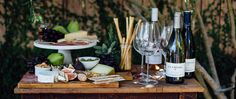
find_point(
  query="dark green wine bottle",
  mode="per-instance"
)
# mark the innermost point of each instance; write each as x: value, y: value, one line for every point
x: 175, y: 63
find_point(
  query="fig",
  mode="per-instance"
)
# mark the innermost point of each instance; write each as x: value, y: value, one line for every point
x: 79, y: 66
x: 71, y: 76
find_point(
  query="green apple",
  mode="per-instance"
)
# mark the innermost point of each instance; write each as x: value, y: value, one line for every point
x: 56, y: 58
x: 73, y: 26
x: 61, y: 29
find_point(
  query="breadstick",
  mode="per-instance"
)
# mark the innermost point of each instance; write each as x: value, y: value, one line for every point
x: 127, y: 25
x: 118, y: 29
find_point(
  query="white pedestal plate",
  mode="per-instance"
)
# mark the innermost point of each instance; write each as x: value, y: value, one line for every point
x: 66, y: 49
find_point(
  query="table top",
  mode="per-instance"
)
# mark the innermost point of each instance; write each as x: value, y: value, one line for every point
x: 190, y: 85
x: 46, y: 45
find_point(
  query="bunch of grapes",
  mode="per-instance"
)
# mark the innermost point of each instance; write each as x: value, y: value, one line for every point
x: 50, y: 35
x: 31, y: 62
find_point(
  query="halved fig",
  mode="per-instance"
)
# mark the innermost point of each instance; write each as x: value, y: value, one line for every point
x: 71, y: 76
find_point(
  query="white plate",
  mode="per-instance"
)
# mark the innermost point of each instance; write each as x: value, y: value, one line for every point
x: 47, y: 45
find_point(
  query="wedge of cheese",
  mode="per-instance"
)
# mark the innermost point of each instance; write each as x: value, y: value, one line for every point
x: 103, y: 69
x: 76, y: 35
x: 92, y: 37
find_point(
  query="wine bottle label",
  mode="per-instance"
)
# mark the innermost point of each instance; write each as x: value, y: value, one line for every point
x: 190, y: 65
x: 175, y: 69
x: 154, y: 59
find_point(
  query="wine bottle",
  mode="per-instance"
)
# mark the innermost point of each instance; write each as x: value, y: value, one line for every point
x: 175, y: 63
x: 155, y: 61
x: 189, y: 46
x: 41, y: 28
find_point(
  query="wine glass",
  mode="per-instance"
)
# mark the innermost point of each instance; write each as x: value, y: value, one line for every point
x: 136, y: 44
x: 166, y: 33
x: 165, y: 36
x: 149, y: 46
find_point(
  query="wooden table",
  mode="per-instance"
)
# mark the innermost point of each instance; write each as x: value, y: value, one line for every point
x: 126, y: 90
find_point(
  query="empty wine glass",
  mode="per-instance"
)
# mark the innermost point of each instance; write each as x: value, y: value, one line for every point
x: 136, y: 44
x: 149, y: 46
x: 166, y: 33
x: 165, y: 36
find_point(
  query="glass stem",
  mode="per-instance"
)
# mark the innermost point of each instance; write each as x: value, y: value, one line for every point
x: 164, y: 54
x: 147, y: 80
x: 142, y: 66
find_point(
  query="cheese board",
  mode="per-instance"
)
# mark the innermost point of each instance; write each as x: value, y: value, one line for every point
x: 30, y: 81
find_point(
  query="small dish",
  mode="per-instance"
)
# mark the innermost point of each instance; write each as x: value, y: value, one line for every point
x: 46, y: 77
x: 41, y: 69
x: 89, y: 62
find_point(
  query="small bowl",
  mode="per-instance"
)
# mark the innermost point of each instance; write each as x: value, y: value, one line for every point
x: 40, y: 69
x: 89, y: 64
x: 46, y: 77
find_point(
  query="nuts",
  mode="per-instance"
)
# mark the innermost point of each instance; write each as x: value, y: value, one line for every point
x: 42, y: 65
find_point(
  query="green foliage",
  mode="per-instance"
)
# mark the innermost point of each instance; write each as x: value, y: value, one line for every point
x: 14, y: 50
x: 109, y: 46
x: 34, y: 18
x: 100, y: 50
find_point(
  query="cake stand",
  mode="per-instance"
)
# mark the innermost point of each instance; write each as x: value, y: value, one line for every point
x: 64, y: 49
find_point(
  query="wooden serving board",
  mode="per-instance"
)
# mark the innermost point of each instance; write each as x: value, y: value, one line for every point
x: 30, y: 81
x: 126, y: 75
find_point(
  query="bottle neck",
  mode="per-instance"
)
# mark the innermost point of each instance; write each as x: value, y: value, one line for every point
x: 177, y: 22
x: 154, y: 14
x: 154, y: 20
x: 187, y: 19
x: 187, y: 26
x: 187, y: 23
x: 177, y: 32
x: 177, y: 26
